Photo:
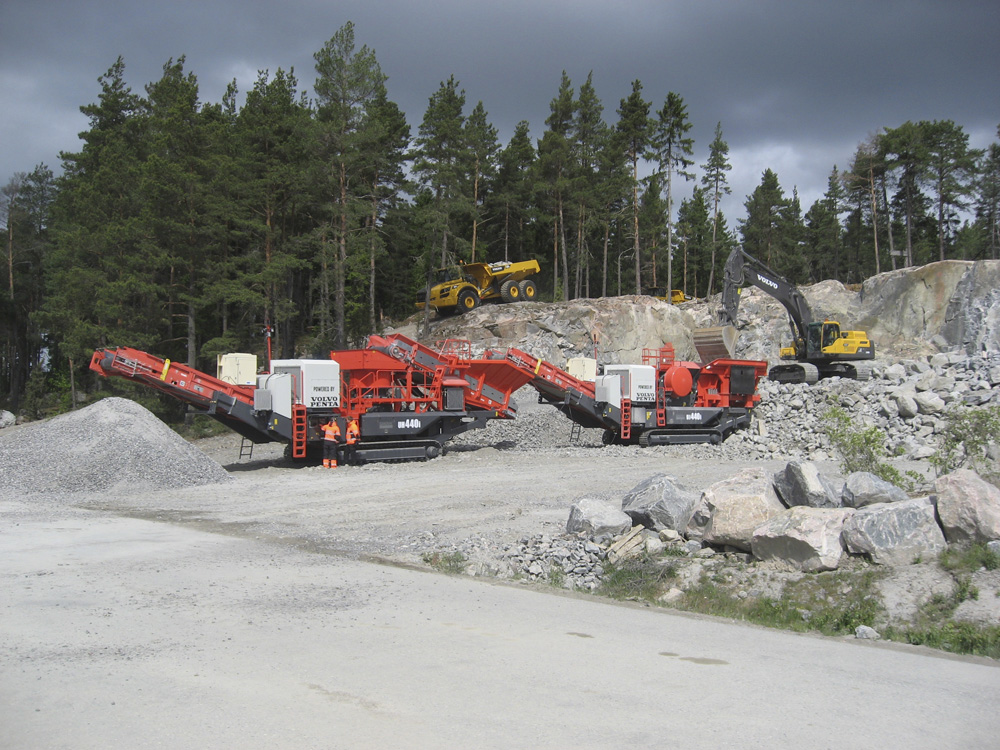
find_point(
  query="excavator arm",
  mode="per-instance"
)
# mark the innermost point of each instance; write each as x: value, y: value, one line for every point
x: 743, y: 269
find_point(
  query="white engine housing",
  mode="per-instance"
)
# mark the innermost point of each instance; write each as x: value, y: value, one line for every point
x: 315, y: 383
x: 638, y: 382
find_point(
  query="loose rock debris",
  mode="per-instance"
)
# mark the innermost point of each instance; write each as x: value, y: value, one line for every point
x: 112, y: 444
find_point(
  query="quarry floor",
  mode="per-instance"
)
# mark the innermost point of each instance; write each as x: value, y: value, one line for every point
x: 288, y: 608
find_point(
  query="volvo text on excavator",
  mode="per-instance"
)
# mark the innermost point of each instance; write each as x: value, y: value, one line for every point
x: 820, y: 349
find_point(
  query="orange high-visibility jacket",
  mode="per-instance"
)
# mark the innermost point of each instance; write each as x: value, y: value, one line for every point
x: 331, y: 432
x: 353, y: 432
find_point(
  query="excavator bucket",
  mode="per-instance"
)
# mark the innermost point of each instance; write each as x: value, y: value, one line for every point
x: 718, y: 342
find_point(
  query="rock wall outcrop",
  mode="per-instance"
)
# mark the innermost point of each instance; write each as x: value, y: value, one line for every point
x: 947, y: 306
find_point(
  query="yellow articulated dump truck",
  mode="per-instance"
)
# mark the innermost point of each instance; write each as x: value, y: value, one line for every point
x: 677, y: 296
x: 457, y: 289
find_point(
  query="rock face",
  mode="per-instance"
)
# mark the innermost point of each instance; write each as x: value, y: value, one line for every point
x: 660, y: 502
x: 729, y: 511
x: 598, y: 519
x: 624, y: 326
x: 805, y: 538
x: 951, y: 305
x: 895, y: 533
x: 958, y: 301
x: 968, y: 506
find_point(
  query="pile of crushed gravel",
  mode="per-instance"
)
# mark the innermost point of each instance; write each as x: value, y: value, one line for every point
x: 111, y: 445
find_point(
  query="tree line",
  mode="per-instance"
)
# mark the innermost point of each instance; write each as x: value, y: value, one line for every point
x: 191, y: 229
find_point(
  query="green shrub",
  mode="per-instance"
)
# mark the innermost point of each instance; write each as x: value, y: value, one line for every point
x: 966, y: 440
x: 955, y: 637
x: 642, y: 578
x: 452, y: 562
x: 863, y: 449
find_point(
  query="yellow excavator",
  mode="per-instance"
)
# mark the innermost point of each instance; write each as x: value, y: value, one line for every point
x: 819, y: 349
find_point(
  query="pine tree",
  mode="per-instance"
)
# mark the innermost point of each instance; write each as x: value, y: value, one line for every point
x: 866, y: 178
x: 385, y: 147
x: 763, y: 229
x: 100, y: 278
x: 347, y: 80
x: 714, y: 179
x: 695, y: 225
x: 824, y: 234
x: 988, y: 200
x: 512, y: 191
x: 951, y: 172
x: 439, y: 167
x: 672, y: 148
x: 635, y: 130
x: 555, y: 177
x: 265, y: 189
x: 652, y: 222
x: 589, y: 138
x: 905, y: 151
x: 175, y: 178
x: 25, y: 208
x: 482, y: 144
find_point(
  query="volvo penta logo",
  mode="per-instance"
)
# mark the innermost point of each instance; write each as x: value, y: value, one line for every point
x: 767, y: 281
x: 694, y: 416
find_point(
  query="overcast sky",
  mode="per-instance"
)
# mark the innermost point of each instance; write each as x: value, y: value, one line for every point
x: 796, y: 85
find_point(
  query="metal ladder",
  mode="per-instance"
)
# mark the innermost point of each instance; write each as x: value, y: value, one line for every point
x: 246, y: 449
x: 575, y: 432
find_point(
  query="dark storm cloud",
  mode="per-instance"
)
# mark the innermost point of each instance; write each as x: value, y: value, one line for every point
x: 796, y: 85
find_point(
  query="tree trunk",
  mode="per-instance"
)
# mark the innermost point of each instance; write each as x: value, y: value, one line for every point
x: 670, y: 236
x: 715, y: 226
x: 872, y: 195
x: 635, y: 226
x: 72, y: 386
x: 506, y: 232
x: 371, y: 264
x: 565, y: 256
x: 340, y: 267
x: 475, y: 210
x: 10, y: 253
x: 604, y: 267
x: 555, y: 259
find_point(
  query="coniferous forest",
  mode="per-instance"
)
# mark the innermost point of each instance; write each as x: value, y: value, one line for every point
x: 188, y: 228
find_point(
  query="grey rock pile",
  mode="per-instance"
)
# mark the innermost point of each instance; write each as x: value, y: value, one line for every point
x: 795, y: 519
x: 907, y: 401
x: 114, y: 444
x: 575, y: 561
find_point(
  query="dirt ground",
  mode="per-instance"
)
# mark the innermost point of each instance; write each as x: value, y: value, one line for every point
x: 247, y: 613
x: 397, y: 512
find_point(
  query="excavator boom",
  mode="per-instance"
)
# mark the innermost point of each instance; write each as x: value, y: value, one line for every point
x: 818, y: 350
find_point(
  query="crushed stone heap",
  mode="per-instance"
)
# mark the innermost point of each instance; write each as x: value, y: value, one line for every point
x: 112, y: 444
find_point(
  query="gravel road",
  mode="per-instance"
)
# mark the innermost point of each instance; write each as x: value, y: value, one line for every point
x: 226, y: 619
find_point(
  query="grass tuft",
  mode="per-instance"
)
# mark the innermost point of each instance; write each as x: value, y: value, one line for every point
x: 453, y: 562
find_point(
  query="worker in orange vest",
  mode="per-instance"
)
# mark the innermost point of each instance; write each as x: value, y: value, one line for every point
x: 331, y: 443
x: 353, y: 435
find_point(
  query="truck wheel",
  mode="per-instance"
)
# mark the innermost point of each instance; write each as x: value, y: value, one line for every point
x: 467, y: 300
x: 528, y: 290
x: 510, y: 291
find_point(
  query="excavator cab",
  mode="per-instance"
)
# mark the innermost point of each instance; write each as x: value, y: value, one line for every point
x: 826, y: 340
